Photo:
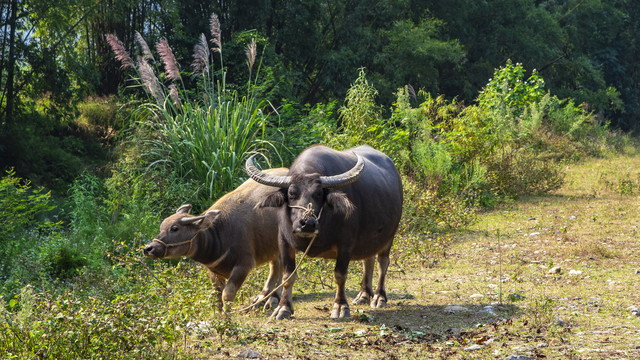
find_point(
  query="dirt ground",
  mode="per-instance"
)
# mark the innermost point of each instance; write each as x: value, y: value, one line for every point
x: 554, y: 276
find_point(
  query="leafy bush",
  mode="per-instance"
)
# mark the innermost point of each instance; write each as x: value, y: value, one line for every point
x: 21, y: 206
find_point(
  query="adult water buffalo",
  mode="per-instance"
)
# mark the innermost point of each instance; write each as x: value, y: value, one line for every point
x: 229, y: 239
x: 357, y: 222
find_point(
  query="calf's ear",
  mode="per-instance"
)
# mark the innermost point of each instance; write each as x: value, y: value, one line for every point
x: 184, y: 209
x: 209, y: 216
x: 274, y: 199
x: 339, y: 201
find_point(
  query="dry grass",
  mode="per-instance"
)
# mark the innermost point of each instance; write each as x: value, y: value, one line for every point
x: 589, y: 226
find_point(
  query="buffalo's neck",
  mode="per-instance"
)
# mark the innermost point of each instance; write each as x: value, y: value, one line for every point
x: 208, y: 248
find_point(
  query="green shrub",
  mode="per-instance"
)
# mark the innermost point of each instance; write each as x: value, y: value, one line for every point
x: 100, y: 112
x: 61, y: 260
x: 22, y: 206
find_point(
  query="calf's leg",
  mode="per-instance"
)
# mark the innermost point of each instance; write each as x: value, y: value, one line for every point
x: 218, y: 283
x: 275, y: 276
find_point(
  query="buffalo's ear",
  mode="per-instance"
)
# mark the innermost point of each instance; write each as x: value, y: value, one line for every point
x: 209, y: 217
x: 340, y: 202
x: 184, y: 209
x: 274, y: 199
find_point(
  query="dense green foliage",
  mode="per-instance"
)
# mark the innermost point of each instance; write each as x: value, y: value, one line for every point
x: 409, y: 79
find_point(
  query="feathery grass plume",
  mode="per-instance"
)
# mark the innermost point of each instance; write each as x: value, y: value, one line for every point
x: 251, y: 55
x: 171, y: 67
x: 411, y: 91
x: 215, y: 32
x: 201, y: 56
x: 173, y: 92
x: 150, y: 80
x: 146, y: 52
x: 122, y: 55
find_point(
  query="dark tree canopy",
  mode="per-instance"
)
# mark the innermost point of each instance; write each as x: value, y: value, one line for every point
x: 585, y: 49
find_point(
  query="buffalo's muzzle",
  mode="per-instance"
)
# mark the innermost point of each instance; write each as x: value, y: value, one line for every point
x: 307, y: 227
x: 153, y: 250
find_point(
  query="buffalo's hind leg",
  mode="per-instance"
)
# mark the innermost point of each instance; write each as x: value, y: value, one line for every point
x: 380, y: 297
x: 366, y: 289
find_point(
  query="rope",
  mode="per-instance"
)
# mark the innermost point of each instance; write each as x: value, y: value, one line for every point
x: 308, y: 211
x: 249, y: 307
x: 167, y: 246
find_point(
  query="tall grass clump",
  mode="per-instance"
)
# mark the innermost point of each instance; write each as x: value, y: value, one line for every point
x: 202, y: 134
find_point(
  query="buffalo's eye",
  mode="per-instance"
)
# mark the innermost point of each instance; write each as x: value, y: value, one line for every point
x: 293, y: 194
x: 174, y: 228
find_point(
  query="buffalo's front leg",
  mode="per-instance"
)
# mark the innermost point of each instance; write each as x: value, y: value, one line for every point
x: 288, y: 258
x: 366, y: 290
x: 341, y: 306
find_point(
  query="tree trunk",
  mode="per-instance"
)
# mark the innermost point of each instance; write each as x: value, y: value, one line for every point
x: 11, y: 63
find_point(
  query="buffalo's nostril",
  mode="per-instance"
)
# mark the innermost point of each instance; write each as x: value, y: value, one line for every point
x: 302, y: 222
x: 147, y: 249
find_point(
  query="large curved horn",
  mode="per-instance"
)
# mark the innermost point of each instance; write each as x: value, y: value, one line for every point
x: 345, y: 179
x: 264, y: 178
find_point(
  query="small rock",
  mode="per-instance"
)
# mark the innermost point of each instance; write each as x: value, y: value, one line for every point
x: 555, y: 270
x: 407, y: 296
x: 575, y: 272
x: 455, y: 309
x: 519, y: 357
x: 473, y: 347
x: 515, y: 297
x: 534, y: 234
x: 572, y: 217
x: 476, y: 296
x: 248, y: 354
x: 637, y: 271
x: 532, y: 218
x: 488, y: 310
x: 560, y: 322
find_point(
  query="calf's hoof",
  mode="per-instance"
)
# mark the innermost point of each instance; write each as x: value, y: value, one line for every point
x: 340, y: 311
x: 272, y: 303
x: 257, y: 301
x: 362, y: 298
x: 282, y: 312
x: 378, y: 302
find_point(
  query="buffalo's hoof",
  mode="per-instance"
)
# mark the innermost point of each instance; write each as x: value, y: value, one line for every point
x: 340, y: 311
x: 282, y: 312
x: 362, y: 298
x: 378, y: 302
